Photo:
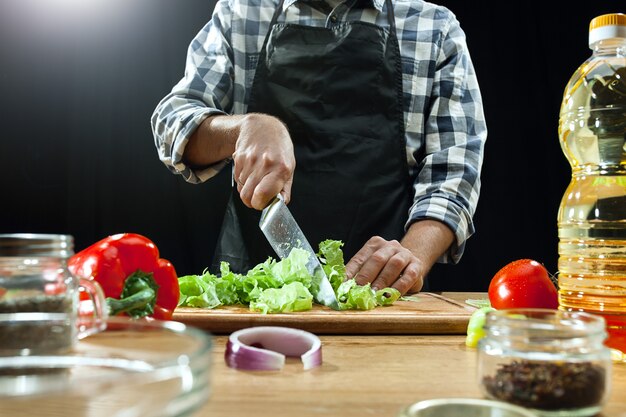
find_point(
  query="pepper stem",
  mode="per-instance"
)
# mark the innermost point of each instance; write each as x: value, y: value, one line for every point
x: 138, y: 296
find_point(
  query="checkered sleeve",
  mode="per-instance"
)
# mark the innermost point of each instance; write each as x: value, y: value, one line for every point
x: 205, y: 89
x: 448, y: 166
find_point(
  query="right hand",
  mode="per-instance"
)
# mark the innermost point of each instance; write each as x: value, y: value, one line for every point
x: 264, y: 160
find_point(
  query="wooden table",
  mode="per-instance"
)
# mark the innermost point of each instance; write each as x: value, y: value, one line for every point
x: 369, y: 375
x: 361, y: 375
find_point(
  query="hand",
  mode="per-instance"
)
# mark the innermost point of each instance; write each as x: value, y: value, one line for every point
x: 386, y: 263
x: 264, y: 161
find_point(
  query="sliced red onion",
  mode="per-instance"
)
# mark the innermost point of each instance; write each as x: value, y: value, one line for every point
x: 264, y: 348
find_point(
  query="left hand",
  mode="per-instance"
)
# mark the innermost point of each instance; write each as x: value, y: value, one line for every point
x: 386, y: 263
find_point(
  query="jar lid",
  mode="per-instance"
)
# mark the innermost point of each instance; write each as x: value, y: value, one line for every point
x: 36, y: 245
x: 546, y: 328
x: 607, y: 26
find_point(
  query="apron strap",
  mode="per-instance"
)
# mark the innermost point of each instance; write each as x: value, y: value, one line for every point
x: 277, y: 13
x: 391, y: 16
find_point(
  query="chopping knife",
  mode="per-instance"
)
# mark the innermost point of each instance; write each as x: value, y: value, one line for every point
x: 284, y: 234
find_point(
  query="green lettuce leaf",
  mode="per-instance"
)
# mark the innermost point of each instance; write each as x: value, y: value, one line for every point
x: 281, y: 286
x: 292, y: 268
x: 198, y: 291
x: 331, y: 258
x: 288, y: 298
x: 352, y: 296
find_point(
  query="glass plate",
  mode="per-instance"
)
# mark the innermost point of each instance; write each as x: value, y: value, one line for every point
x: 133, y: 368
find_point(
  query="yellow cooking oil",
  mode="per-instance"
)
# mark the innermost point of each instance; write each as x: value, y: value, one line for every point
x: 592, y: 213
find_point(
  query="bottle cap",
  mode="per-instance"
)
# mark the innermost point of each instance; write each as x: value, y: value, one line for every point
x: 607, y: 26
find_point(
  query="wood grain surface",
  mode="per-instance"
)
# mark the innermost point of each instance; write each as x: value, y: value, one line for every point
x: 426, y: 313
x: 369, y: 375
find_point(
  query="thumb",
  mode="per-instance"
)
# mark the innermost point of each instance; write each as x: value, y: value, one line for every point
x: 286, y: 191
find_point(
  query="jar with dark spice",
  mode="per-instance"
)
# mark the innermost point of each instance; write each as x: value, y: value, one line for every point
x: 39, y: 296
x: 553, y: 362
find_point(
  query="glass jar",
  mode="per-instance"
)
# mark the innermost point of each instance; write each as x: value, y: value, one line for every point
x: 39, y: 296
x: 550, y: 361
x: 467, y: 407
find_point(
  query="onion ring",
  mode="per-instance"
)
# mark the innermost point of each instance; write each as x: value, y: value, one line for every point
x: 264, y: 348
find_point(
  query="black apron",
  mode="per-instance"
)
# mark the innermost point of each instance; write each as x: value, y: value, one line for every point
x: 339, y: 91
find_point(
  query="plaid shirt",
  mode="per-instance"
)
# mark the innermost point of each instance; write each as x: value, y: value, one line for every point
x: 444, y: 121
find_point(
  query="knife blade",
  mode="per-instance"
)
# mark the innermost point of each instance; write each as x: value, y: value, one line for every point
x: 283, y: 233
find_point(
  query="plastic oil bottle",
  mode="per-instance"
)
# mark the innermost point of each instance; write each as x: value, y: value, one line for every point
x: 592, y: 214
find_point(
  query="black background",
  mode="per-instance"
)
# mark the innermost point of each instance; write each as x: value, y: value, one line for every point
x: 79, y: 80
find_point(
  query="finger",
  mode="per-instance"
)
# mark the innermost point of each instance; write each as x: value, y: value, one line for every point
x: 238, y: 167
x: 240, y: 179
x: 392, y: 270
x: 238, y: 182
x: 411, y: 279
x: 245, y: 193
x: 374, y: 265
x: 414, y: 280
x: 286, y: 191
x: 356, y: 263
x: 249, y: 178
x: 416, y: 287
x: 265, y: 190
x: 406, y: 282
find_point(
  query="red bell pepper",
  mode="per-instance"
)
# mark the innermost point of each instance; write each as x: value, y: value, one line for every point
x: 135, y: 280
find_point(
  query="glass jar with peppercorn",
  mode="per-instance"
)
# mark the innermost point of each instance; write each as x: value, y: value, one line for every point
x: 39, y: 296
x: 553, y: 362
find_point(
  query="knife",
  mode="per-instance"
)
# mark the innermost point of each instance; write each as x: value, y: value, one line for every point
x: 284, y: 234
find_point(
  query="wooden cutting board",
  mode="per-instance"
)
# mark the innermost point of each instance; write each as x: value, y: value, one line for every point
x: 425, y: 313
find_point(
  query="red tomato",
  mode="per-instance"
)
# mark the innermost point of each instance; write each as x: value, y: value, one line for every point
x: 523, y: 284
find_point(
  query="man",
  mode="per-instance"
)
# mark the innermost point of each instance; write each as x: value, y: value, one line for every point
x: 365, y: 115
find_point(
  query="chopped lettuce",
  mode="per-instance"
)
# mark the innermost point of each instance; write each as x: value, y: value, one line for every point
x: 281, y: 286
x: 290, y: 297
x: 331, y: 257
x: 198, y: 291
x: 292, y: 268
x: 352, y: 296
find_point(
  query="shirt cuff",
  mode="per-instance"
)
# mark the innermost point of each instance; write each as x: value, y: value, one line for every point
x: 449, y: 212
x: 193, y: 175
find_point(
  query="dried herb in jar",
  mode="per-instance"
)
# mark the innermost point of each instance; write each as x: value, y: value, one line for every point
x: 37, y: 303
x: 47, y: 336
x: 548, y: 385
